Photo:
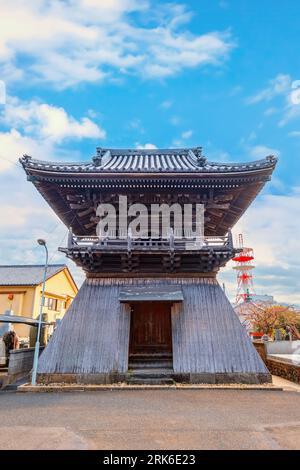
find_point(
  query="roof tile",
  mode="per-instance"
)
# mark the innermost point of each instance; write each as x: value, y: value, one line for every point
x: 26, y: 275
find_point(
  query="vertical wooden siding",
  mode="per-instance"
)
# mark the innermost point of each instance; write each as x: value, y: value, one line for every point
x: 93, y: 336
x: 207, y: 335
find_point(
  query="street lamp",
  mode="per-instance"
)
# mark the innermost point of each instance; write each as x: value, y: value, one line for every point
x: 37, y: 344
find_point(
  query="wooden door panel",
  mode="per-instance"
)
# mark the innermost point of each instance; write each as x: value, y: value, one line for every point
x: 151, y: 328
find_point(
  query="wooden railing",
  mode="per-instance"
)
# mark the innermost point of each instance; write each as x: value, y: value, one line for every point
x: 169, y: 243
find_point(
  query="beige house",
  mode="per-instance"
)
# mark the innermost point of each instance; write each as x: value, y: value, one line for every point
x: 21, y: 290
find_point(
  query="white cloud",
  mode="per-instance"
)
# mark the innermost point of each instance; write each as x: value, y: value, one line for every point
x: 280, y: 85
x: 175, y: 120
x: 38, y: 129
x: 2, y: 92
x: 261, y: 151
x: 46, y: 121
x: 146, y: 146
x: 294, y: 134
x: 166, y: 104
x: 13, y: 145
x: 136, y: 125
x: 236, y: 90
x: 91, y: 40
x: 291, y: 112
x: 181, y: 142
x: 218, y: 155
x: 270, y: 111
x: 35, y: 129
x: 56, y: 124
x: 14, y: 217
x: 25, y: 216
x: 187, y: 134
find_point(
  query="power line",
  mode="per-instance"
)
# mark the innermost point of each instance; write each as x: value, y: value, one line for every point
x: 62, y: 240
x: 17, y: 164
x: 55, y: 251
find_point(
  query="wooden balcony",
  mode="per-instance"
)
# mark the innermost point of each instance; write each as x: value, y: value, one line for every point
x: 108, y: 255
x: 130, y: 244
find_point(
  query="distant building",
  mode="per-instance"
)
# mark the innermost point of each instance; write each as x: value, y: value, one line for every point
x: 21, y: 289
x: 264, y: 298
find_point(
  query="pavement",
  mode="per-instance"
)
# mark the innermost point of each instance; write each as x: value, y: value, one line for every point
x: 285, y: 384
x: 147, y: 419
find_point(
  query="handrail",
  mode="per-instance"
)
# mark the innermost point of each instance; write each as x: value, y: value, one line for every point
x: 131, y: 243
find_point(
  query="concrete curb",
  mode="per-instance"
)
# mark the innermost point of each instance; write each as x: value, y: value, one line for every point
x: 25, y: 388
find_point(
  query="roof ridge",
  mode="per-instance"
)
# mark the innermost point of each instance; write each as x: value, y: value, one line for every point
x: 197, y: 162
x: 29, y: 275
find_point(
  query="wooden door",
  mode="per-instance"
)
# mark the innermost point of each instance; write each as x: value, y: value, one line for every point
x: 151, y: 331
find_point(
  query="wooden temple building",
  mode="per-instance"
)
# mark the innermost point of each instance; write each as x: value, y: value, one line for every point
x: 150, y: 310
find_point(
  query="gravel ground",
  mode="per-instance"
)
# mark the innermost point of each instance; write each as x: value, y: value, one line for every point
x: 158, y: 419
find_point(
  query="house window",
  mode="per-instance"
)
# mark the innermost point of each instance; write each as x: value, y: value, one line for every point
x: 51, y: 304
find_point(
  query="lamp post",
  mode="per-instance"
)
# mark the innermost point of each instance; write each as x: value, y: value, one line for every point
x: 37, y: 344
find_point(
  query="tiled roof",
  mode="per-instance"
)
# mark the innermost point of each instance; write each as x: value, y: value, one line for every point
x: 26, y: 275
x: 148, y: 161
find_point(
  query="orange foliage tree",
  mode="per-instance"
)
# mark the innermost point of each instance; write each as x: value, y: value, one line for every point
x: 265, y: 318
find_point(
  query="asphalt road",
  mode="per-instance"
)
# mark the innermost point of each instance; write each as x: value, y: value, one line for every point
x: 167, y: 419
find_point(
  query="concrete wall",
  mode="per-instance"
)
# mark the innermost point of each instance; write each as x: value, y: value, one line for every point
x: 20, y: 363
x: 2, y: 353
x: 283, y: 347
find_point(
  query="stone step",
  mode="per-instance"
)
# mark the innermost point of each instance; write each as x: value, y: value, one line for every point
x: 150, y: 381
x: 150, y: 357
x: 152, y: 373
x: 151, y: 365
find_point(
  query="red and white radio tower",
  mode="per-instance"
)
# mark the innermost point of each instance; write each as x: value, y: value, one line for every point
x: 244, y: 266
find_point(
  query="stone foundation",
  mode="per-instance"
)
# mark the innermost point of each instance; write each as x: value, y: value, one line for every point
x: 283, y: 369
x: 89, y: 379
x: 105, y: 379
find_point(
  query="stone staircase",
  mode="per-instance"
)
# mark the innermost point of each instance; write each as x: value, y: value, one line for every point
x: 150, y: 369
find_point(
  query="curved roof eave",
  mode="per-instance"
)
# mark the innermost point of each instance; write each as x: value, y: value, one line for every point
x: 147, y: 163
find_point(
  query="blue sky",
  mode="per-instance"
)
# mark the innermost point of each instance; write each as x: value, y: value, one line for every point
x: 124, y: 73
